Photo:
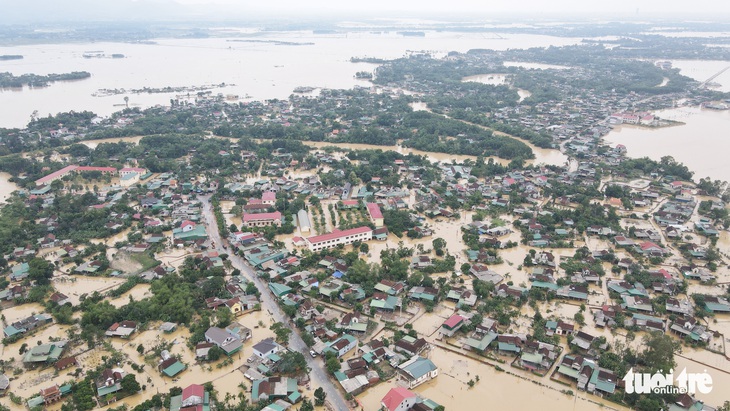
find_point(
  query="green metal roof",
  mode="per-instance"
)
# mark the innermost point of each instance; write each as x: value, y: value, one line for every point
x: 508, y: 347
x: 483, y: 343
x: 35, y: 402
x: 294, y: 397
x: 279, y: 289
x: 108, y: 390
x: 543, y: 284
x: 420, y: 367
x: 568, y: 371
x: 535, y: 358
x: 711, y: 306
x: 174, y: 369
x: 604, y: 386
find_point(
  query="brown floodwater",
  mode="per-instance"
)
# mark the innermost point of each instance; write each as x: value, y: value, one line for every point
x: 706, y: 129
x: 542, y: 156
x: 77, y: 285
x: 450, y: 388
x: 138, y: 292
x: 6, y: 187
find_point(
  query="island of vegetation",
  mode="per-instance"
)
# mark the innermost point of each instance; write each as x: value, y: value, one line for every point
x: 8, y: 80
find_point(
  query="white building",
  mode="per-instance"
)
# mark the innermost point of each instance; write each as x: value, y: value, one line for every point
x: 345, y: 237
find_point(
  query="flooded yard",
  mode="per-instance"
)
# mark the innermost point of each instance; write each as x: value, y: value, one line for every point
x: 19, y: 312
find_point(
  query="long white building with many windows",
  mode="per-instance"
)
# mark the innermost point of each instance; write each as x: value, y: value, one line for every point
x: 345, y: 237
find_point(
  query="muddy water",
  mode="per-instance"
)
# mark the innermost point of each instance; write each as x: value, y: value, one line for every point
x: 523, y: 94
x: 551, y: 157
x: 76, y: 286
x: 19, y: 312
x: 720, y: 380
x: 6, y: 187
x: 277, y: 70
x: 94, y: 143
x: 491, y: 79
x: 702, y: 70
x: 29, y: 382
x: 225, y: 379
x: 704, y: 127
x: 448, y: 229
x: 173, y: 257
x: 534, y: 66
x: 450, y: 388
x: 139, y: 292
x: 495, y: 80
x: 110, y: 241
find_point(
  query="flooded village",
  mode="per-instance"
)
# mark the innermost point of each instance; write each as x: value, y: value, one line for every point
x: 449, y: 235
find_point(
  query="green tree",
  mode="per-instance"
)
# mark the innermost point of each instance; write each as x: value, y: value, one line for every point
x: 40, y: 271
x: 306, y: 405
x: 659, y: 353
x: 332, y: 364
x: 319, y: 396
x: 224, y: 317
x: 282, y: 332
x: 130, y: 384
x: 292, y: 363
x: 438, y: 243
x: 308, y: 339
x: 214, y: 353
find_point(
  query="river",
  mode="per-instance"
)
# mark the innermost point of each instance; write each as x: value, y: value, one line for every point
x: 261, y: 70
x: 701, y: 143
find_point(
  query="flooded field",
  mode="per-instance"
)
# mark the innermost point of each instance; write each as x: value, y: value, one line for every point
x: 19, y: 312
x: 542, y: 156
x: 139, y: 292
x: 450, y: 388
x: 720, y: 379
x: 535, y: 66
x: 93, y: 143
x: 76, y: 286
x: 173, y: 257
x: 111, y: 241
x: 491, y: 79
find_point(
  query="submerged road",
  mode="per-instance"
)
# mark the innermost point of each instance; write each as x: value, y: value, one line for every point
x: 317, y: 373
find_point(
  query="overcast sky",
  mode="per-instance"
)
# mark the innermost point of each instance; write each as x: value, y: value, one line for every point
x: 485, y: 6
x: 19, y: 11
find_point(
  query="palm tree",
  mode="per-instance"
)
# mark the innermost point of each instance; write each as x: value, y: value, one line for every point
x: 126, y: 101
